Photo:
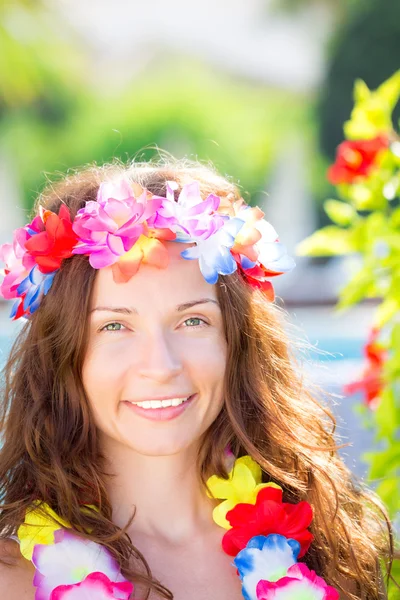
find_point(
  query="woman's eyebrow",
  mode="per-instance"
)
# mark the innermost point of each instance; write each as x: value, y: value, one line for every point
x: 125, y: 310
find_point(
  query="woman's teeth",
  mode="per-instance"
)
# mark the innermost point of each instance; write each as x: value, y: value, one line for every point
x: 161, y: 403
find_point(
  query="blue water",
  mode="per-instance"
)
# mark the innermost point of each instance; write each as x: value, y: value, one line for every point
x: 338, y: 348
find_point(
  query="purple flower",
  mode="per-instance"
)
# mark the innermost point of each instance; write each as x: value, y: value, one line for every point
x: 68, y: 561
x: 109, y: 227
x: 191, y: 217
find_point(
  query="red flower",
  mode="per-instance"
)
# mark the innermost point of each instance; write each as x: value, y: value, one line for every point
x: 268, y: 515
x: 256, y: 278
x: 371, y: 383
x: 54, y: 240
x: 356, y: 159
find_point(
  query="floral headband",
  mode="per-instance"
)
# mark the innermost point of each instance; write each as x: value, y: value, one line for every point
x: 127, y: 225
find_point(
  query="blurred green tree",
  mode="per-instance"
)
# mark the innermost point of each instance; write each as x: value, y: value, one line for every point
x: 40, y: 67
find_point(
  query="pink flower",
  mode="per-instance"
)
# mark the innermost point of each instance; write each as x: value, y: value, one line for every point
x: 109, y: 227
x: 299, y: 582
x: 96, y: 586
x: 18, y: 263
x: 69, y: 561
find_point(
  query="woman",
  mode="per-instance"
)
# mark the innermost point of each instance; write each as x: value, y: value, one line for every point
x: 152, y: 358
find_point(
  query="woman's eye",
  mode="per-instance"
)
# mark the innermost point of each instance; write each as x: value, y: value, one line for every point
x: 112, y: 327
x: 195, y: 322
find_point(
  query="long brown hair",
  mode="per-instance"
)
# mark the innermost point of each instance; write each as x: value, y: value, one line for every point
x: 50, y: 446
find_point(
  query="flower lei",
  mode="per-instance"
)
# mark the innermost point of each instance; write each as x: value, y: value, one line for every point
x: 126, y: 227
x: 264, y: 534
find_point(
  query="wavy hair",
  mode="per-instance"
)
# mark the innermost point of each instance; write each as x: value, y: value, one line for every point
x: 50, y: 448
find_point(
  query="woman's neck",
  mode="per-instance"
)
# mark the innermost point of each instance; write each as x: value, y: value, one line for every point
x: 166, y: 493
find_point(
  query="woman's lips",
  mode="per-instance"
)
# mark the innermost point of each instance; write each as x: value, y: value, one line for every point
x: 164, y: 413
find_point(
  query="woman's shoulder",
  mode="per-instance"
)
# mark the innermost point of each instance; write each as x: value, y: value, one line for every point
x: 16, y: 573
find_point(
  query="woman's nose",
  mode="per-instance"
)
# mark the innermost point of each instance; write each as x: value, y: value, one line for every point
x: 160, y: 360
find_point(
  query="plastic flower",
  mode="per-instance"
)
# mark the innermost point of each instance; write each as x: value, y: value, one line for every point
x: 356, y: 159
x: 95, y: 586
x: 299, y: 584
x: 371, y: 383
x: 249, y: 234
x: 17, y: 261
x: 271, y: 259
x: 243, y: 485
x: 265, y: 558
x: 268, y: 515
x: 32, y: 290
x: 38, y: 527
x: 190, y: 217
x: 214, y: 253
x: 53, y: 239
x: 148, y: 249
x: 109, y: 227
x: 68, y: 561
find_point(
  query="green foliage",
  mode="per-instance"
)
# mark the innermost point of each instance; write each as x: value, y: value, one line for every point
x: 208, y: 119
x: 40, y: 70
x: 367, y: 222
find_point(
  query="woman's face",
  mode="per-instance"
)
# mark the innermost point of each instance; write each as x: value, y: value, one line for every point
x: 157, y: 338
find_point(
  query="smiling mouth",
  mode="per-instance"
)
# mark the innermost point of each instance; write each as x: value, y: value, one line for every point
x: 153, y: 404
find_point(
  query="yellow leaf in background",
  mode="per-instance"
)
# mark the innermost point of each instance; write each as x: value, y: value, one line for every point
x: 329, y: 241
x: 340, y: 213
x: 372, y: 112
x: 386, y: 311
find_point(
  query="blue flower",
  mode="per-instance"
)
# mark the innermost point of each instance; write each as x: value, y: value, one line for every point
x: 214, y: 253
x: 265, y: 557
x: 32, y: 289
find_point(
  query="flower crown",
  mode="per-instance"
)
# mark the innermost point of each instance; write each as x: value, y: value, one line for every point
x: 127, y: 225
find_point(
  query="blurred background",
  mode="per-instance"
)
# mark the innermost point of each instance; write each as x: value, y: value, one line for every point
x: 259, y: 87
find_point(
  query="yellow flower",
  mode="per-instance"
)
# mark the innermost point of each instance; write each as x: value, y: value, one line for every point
x: 243, y: 485
x: 38, y: 528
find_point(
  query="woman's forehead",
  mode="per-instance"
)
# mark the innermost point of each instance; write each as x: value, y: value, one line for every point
x: 180, y: 281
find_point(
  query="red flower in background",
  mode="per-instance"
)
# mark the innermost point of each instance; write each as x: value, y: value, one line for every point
x: 53, y: 239
x: 268, y: 515
x: 371, y: 383
x: 355, y: 159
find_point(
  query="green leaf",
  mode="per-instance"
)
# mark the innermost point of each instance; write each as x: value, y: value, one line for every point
x: 329, y: 241
x: 395, y: 218
x: 361, y: 91
x: 386, y: 311
x: 389, y: 90
x: 357, y: 289
x: 383, y: 462
x: 389, y: 492
x: 395, y: 337
x: 340, y: 213
x: 387, y: 415
x: 372, y: 112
